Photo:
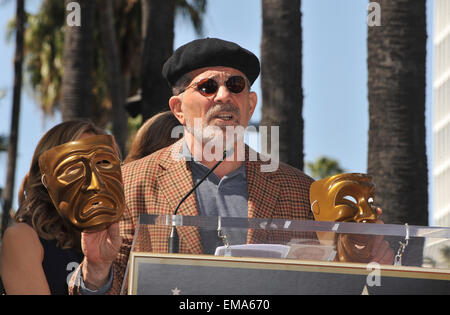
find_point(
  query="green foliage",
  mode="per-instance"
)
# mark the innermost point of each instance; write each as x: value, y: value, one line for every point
x: 323, y: 167
x: 135, y: 123
x: 3, y: 143
x: 44, y: 47
x: 193, y: 10
x: 133, y: 127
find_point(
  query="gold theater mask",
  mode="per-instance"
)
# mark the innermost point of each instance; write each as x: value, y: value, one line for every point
x: 345, y: 198
x: 84, y: 181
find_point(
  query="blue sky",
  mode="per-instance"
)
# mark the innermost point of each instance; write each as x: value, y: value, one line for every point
x: 335, y: 109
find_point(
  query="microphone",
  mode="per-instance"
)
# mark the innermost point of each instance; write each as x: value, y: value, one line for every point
x: 173, y: 237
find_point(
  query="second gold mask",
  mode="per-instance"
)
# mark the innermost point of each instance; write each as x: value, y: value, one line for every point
x: 345, y: 198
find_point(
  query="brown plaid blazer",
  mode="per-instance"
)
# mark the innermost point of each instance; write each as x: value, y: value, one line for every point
x: 156, y: 183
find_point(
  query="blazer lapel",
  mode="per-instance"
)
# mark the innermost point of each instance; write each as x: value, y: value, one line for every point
x: 262, y: 191
x: 176, y: 181
x: 262, y: 198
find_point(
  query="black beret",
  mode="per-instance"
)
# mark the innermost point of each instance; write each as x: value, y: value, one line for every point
x: 210, y: 52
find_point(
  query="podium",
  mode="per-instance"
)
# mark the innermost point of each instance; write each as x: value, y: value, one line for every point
x: 281, y: 257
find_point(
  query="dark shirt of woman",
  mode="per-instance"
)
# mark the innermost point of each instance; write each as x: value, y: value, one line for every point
x: 58, y: 265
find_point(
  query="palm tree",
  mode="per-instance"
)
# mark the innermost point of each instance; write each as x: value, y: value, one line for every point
x: 3, y: 147
x: 323, y: 167
x: 45, y: 56
x: 157, y: 38
x: 281, y: 76
x: 3, y: 143
x: 157, y: 31
x: 3, y: 138
x: 13, y: 135
x: 115, y: 80
x: 44, y: 42
x: 397, y: 154
x: 78, y: 64
x: 396, y: 87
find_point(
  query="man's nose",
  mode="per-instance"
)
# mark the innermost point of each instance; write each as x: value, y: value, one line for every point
x: 223, y: 95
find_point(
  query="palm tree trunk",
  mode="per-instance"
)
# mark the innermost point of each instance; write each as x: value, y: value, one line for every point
x: 157, y: 25
x: 116, y: 85
x: 14, y: 133
x: 77, y: 82
x: 281, y: 76
x: 396, y: 86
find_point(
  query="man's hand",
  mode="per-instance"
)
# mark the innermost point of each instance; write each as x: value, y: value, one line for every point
x: 381, y: 251
x: 100, y: 250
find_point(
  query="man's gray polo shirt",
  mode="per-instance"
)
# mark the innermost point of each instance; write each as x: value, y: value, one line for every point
x: 225, y: 197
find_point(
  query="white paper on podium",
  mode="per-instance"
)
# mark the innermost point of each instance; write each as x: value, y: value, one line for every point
x: 294, y: 251
x: 254, y: 250
x: 311, y: 252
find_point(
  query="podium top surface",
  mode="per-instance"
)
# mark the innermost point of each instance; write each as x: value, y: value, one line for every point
x: 213, y: 223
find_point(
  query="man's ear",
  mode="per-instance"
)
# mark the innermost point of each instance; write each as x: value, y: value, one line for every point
x: 253, y: 101
x: 175, y: 103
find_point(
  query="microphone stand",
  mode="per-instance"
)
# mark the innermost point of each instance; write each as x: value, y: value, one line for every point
x: 173, y: 237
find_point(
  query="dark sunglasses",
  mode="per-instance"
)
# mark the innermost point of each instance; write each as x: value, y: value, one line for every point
x: 207, y: 87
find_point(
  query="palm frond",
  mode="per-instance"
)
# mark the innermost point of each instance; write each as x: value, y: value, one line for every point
x: 194, y: 10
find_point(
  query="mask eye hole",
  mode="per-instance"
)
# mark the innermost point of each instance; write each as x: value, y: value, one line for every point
x: 72, y: 173
x: 350, y: 199
x: 104, y: 164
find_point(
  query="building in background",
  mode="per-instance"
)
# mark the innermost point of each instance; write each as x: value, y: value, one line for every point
x: 437, y: 249
x: 441, y: 114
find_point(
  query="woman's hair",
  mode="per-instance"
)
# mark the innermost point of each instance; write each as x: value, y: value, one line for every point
x: 154, y: 134
x: 35, y: 205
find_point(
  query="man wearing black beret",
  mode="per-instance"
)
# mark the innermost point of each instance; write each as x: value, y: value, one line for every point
x: 211, y: 81
x: 210, y: 52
